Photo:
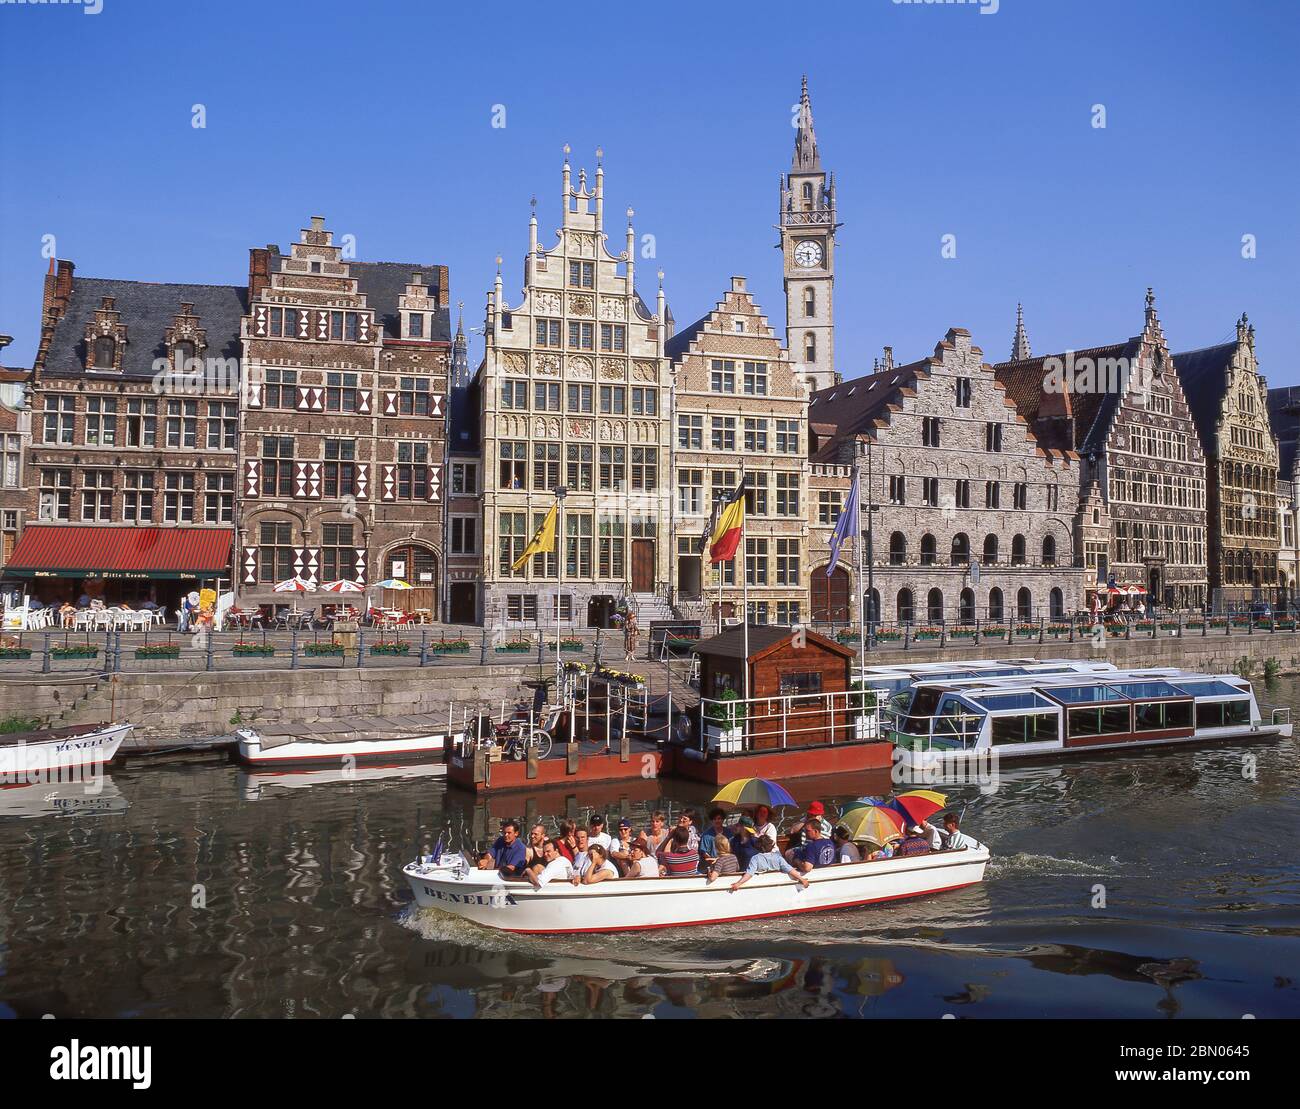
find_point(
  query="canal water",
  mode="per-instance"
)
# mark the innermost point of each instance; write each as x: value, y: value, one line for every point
x: 1154, y: 885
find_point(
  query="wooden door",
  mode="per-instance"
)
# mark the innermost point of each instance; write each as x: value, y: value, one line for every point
x: 643, y: 565
x: 830, y: 596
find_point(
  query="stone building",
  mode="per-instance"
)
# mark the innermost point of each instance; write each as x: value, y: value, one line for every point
x: 1121, y: 408
x: 1229, y: 403
x: 974, y: 517
x: 464, y: 489
x: 739, y: 410
x: 807, y: 228
x: 131, y: 473
x: 15, y: 432
x: 1284, y: 417
x: 574, y: 389
x: 343, y: 422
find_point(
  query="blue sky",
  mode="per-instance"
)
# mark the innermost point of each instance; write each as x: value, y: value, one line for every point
x: 937, y: 119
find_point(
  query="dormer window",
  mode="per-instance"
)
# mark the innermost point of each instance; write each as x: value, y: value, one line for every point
x: 415, y: 325
x: 182, y: 353
x: 105, y: 354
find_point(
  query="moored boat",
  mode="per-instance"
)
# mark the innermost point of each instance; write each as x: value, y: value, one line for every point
x: 484, y: 897
x: 39, y: 755
x: 359, y: 739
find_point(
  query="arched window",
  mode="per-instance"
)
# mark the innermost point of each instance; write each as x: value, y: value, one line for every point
x: 105, y: 353
x: 990, y: 550
x: 995, y: 604
x: 1018, y: 551
x: 181, y: 354
x: 960, y: 549
x: 1056, y: 604
x: 906, y: 610
x: 807, y: 194
x: 1049, y: 551
x: 897, y: 549
x: 809, y: 301
x: 809, y: 347
x: 966, y: 607
x: 928, y: 550
x: 934, y: 606
x: 1024, y: 604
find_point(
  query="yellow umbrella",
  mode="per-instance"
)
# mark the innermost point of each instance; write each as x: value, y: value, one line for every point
x: 873, y: 823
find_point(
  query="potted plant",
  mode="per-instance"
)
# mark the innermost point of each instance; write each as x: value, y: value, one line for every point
x: 962, y: 631
x: 318, y: 649
x: 1055, y: 630
x: 999, y: 630
x: 1218, y: 622
x: 1170, y: 625
x: 570, y: 645
x: 888, y: 634
x: 514, y: 647
x: 1026, y: 629
x: 1146, y: 625
x: 724, y: 723
x: 159, y: 650
x: 847, y: 637
x: 450, y: 647
x: 392, y: 647
x: 254, y: 650
x: 74, y: 650
x: 927, y: 633
x: 15, y: 652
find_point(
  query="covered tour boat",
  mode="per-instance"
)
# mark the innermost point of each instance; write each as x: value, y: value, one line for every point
x: 41, y: 755
x: 484, y: 897
x: 386, y: 739
x: 938, y: 722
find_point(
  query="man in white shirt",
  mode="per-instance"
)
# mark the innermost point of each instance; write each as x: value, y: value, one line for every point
x: 598, y: 833
x: 930, y: 832
x: 954, y: 840
x: 643, y: 865
x: 557, y: 867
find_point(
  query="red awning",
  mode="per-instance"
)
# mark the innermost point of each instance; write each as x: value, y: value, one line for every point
x: 46, y: 551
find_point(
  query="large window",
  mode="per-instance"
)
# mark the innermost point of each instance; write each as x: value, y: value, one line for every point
x: 340, y: 392
x: 464, y: 477
x: 723, y: 433
x: 577, y: 545
x: 613, y: 467
x: 137, y: 497
x: 340, y: 470
x: 97, y: 495
x: 787, y: 494
x: 105, y: 353
x: 514, y: 464
x: 101, y: 421
x: 1104, y: 720
x: 277, y: 466
x: 578, y: 398
x: 755, y: 436
x: 275, y: 551
x: 756, y: 561
x: 55, y: 495
x: 141, y: 422
x: 613, y: 400
x: 582, y: 336
x: 280, y: 388
x: 546, y: 396
x: 690, y: 432
x: 577, y: 466
x: 414, y: 397
x: 722, y: 376
x: 828, y: 506
x: 464, y: 535
x: 412, y: 471
x: 611, y: 548
x: 11, y: 474
x: 645, y: 468
x: 548, y: 333
x: 546, y: 466
x: 338, y: 552
x: 613, y: 337
x: 59, y: 410
x: 178, y: 497
x: 512, y: 538
x: 787, y: 562
x: 219, y: 498
x: 223, y: 425
x: 787, y: 436
x: 690, y: 492
x: 1038, y: 727
x: 514, y: 395
x: 756, y: 379
x: 182, y: 423
x: 645, y: 401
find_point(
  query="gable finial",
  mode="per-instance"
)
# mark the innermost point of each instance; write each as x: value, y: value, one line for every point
x: 1020, y: 351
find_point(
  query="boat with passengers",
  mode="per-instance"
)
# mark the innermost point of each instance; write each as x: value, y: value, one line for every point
x: 941, y: 721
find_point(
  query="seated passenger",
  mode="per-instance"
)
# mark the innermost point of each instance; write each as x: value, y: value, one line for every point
x: 677, y: 856
x: 846, y: 849
x: 724, y: 862
x: 762, y: 822
x: 708, y: 837
x: 597, y: 832
x: 557, y: 866
x: 598, y: 867
x: 536, y: 844
x: 817, y: 850
x: 687, y: 821
x: 767, y: 860
x: 485, y: 861
x: 917, y: 843
x: 580, y: 848
x: 508, y: 851
x: 955, y: 840
x: 657, y: 832
x: 566, y: 840
x: 643, y: 864
x: 745, y: 844
x: 620, y: 851
x: 885, y: 851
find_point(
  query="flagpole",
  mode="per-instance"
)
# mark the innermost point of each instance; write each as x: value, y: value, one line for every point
x: 744, y: 585
x: 559, y: 587
x: 857, y: 542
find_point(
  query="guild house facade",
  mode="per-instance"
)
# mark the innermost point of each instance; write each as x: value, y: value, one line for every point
x: 343, y: 438
x: 574, y: 389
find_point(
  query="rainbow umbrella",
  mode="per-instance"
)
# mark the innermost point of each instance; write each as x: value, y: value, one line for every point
x: 861, y: 803
x: 754, y: 791
x: 874, y: 823
x: 918, y: 805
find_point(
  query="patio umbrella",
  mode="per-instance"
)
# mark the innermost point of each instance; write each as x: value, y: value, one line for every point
x: 392, y: 583
x: 294, y: 585
x: 874, y: 823
x: 342, y: 586
x: 918, y: 805
x: 754, y: 791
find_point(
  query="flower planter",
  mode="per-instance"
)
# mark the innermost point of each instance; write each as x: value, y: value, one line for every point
x: 514, y: 649
x: 847, y: 637
x: 866, y: 727
x: 888, y: 636
x: 1170, y: 627
x: 569, y: 645
x: 1144, y: 626
x: 1195, y: 626
x: 995, y: 630
x: 170, y: 651
x: 74, y: 652
x: 1055, y: 630
x: 15, y: 652
x: 454, y: 647
x: 317, y: 650
x: 1285, y: 625
x: 253, y: 650
x: 722, y: 739
x: 1026, y: 631
x: 390, y: 649
x: 962, y: 633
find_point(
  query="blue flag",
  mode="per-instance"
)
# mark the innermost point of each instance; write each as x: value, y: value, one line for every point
x: 846, y: 526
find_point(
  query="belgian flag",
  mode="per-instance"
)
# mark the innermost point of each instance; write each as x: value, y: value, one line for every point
x: 729, y: 527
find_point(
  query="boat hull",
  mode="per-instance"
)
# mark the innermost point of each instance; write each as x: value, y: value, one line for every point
x: 34, y: 759
x: 308, y: 753
x: 634, y: 905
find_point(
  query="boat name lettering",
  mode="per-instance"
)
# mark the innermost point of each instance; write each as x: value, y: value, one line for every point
x: 497, y: 900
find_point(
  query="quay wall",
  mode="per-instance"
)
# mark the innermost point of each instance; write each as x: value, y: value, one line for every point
x: 180, y: 705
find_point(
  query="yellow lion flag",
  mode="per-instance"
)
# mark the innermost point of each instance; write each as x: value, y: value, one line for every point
x: 543, y: 542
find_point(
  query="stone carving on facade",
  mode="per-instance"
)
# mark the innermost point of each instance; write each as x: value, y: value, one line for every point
x: 580, y: 305
x: 548, y: 365
x: 581, y: 367
x: 514, y: 362
x: 547, y: 304
x: 645, y: 371
x: 580, y: 429
x: 612, y: 369
x: 612, y: 308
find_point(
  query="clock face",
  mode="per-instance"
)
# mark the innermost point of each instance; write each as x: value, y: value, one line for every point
x: 808, y: 254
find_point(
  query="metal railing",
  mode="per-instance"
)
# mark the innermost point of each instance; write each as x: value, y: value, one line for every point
x: 740, y: 725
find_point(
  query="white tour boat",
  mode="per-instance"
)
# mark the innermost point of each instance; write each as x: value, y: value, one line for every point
x: 936, y: 723
x: 40, y: 755
x: 386, y: 739
x: 618, y: 905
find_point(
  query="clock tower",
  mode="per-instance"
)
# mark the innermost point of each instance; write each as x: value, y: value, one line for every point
x: 807, y: 245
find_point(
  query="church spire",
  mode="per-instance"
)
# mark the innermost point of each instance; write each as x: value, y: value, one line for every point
x: 806, y: 157
x: 1020, y: 344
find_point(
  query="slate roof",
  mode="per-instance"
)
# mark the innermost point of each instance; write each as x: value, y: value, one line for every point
x: 1093, y: 411
x: 1284, y: 415
x: 681, y: 340
x: 851, y: 407
x: 1204, y: 377
x: 147, y: 309
x: 730, y: 643
x: 383, y: 282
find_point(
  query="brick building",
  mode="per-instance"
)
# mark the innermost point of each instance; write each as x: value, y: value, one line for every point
x: 1141, y: 500
x: 1284, y: 418
x: 574, y: 391
x: 739, y: 407
x: 974, y: 516
x: 343, y: 421
x: 15, y: 430
x: 1229, y: 402
x: 132, y: 465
